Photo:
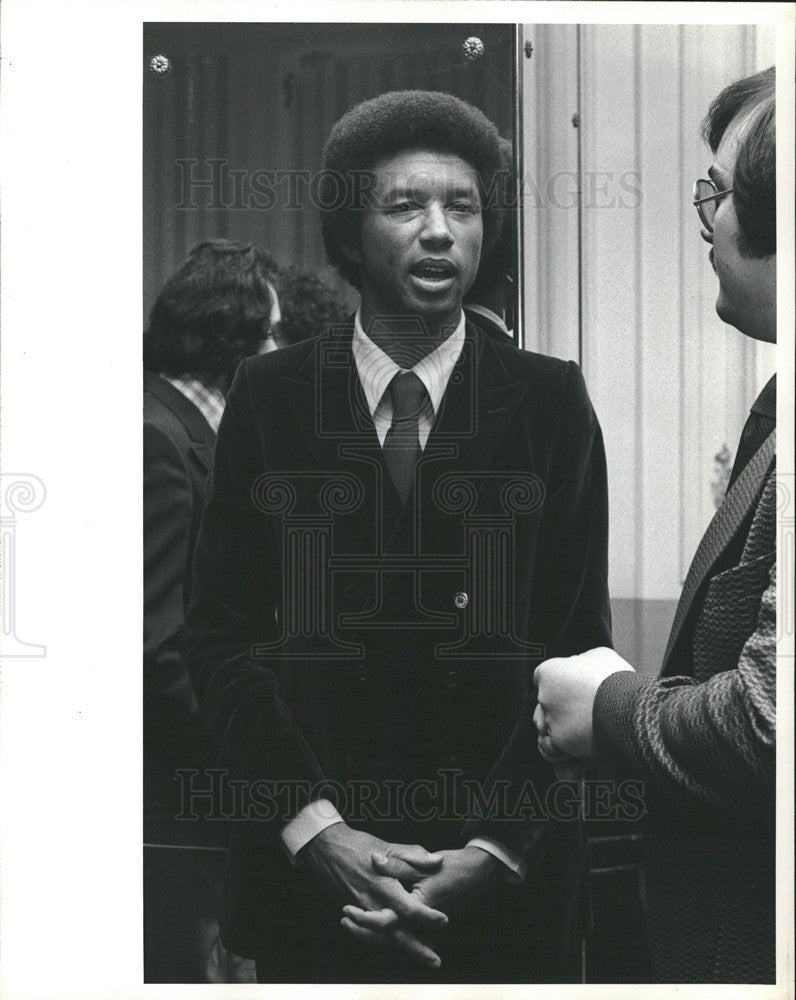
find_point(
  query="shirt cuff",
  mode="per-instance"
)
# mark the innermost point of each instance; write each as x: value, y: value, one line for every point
x: 515, y: 865
x: 312, y: 819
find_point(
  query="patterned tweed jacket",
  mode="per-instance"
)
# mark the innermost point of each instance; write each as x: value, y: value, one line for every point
x: 702, y: 739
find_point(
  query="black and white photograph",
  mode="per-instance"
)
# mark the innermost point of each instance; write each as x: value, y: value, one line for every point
x: 428, y: 622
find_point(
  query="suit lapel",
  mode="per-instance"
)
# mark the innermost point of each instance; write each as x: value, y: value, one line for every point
x: 328, y: 403
x: 190, y: 416
x: 480, y: 402
x: 734, y: 508
x: 329, y: 406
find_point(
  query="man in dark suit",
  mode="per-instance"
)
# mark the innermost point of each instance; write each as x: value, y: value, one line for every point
x: 702, y: 736
x: 404, y: 515
x: 218, y: 308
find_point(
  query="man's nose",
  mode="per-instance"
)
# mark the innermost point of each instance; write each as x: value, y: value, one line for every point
x: 436, y: 230
x: 706, y: 236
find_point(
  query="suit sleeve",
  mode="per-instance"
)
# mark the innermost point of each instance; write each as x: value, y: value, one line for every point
x: 709, y: 743
x: 570, y: 610
x: 168, y: 506
x: 232, y: 616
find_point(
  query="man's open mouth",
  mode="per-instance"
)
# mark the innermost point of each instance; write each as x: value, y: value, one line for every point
x: 433, y: 270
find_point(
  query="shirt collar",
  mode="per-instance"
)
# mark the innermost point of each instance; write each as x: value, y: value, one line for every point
x: 208, y: 399
x: 376, y: 369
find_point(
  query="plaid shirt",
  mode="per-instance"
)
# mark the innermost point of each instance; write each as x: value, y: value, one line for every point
x: 209, y: 401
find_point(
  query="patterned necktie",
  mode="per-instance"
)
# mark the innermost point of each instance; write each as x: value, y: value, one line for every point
x: 402, y: 443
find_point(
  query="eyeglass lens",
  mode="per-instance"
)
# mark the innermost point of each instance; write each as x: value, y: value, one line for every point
x: 707, y: 210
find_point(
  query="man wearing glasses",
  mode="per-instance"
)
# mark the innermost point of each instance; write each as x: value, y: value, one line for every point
x: 702, y: 736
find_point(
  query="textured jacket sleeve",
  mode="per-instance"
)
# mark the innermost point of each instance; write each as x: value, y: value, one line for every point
x: 570, y: 610
x: 711, y: 743
x: 232, y: 616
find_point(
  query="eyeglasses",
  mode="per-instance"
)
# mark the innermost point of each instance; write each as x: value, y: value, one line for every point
x: 706, y: 200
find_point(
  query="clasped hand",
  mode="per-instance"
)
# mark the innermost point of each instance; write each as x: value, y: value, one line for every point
x: 392, y: 889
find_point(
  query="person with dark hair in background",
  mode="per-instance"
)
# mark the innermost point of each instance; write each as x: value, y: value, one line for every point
x: 490, y: 301
x: 309, y: 305
x: 702, y: 736
x: 404, y: 516
x: 217, y: 309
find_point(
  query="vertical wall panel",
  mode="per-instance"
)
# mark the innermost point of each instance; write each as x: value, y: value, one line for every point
x: 613, y: 350
x: 697, y: 346
x: 550, y: 190
x: 659, y: 141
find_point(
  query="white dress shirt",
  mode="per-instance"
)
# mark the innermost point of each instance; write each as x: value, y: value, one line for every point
x: 376, y: 370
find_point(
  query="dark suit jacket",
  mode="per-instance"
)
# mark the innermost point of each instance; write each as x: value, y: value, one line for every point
x: 178, y: 447
x: 337, y: 637
x: 702, y: 737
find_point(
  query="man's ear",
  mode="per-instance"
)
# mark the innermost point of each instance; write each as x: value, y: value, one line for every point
x: 352, y: 254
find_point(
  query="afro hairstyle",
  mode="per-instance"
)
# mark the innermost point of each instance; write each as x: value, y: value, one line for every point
x: 501, y: 261
x: 389, y: 124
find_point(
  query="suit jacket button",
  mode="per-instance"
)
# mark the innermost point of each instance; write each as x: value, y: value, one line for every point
x: 350, y: 593
x: 362, y: 672
x: 452, y: 679
x: 461, y: 600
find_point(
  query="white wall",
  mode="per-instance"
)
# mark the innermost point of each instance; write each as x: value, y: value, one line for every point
x: 619, y: 278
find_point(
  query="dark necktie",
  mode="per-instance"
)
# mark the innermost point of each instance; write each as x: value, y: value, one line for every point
x: 402, y: 443
x: 756, y: 429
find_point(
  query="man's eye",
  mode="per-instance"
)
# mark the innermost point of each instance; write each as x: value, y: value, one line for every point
x: 463, y: 207
x: 401, y: 207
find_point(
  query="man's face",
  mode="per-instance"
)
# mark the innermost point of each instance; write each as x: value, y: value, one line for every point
x: 420, y: 240
x: 747, y: 296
